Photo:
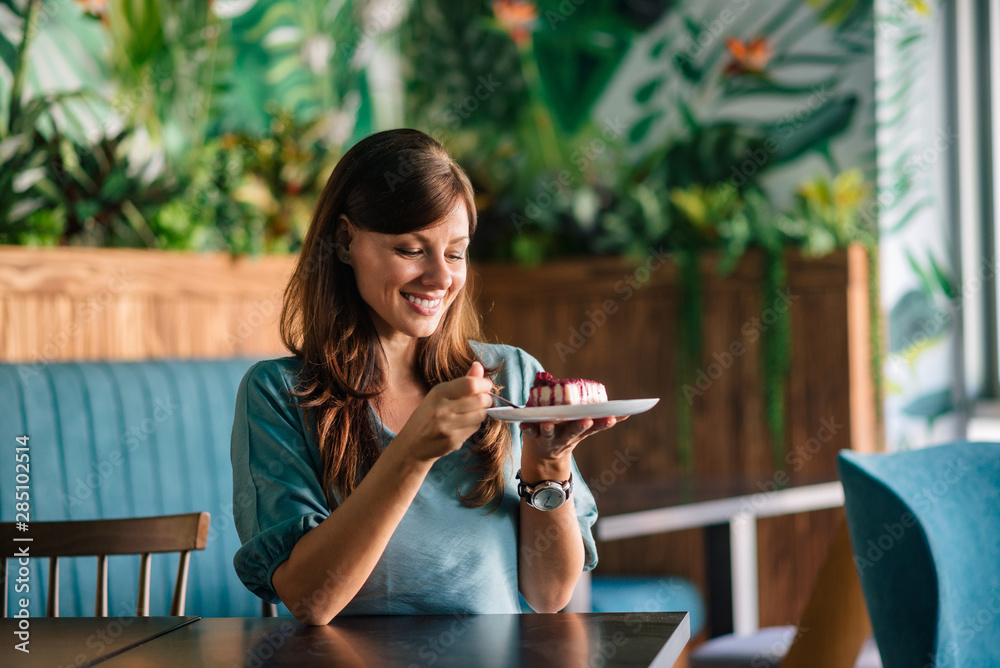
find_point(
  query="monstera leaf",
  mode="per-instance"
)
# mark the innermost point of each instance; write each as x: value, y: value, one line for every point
x: 914, y: 320
x: 710, y: 153
x: 931, y: 405
x: 577, y: 53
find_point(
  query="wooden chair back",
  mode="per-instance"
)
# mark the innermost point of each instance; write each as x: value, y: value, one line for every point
x: 835, y: 623
x: 103, y: 538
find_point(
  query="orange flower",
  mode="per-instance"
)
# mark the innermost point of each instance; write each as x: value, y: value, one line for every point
x: 94, y: 7
x: 516, y: 17
x: 749, y: 58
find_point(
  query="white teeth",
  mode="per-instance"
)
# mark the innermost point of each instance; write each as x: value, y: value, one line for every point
x: 426, y: 303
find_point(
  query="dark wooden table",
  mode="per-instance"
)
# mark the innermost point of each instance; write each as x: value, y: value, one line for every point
x: 54, y: 642
x: 567, y: 640
x: 728, y: 509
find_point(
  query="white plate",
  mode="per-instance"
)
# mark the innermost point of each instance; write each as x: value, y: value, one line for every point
x: 619, y: 408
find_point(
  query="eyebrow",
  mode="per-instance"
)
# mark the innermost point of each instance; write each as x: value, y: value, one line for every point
x: 423, y: 239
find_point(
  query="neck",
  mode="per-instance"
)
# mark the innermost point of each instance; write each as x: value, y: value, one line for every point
x: 400, y: 357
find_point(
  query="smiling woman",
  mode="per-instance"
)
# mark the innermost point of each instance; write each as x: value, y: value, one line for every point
x: 368, y: 478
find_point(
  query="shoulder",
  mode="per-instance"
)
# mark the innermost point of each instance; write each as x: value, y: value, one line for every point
x: 516, y: 367
x: 493, y: 354
x: 271, y: 376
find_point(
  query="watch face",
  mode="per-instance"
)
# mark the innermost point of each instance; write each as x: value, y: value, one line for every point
x: 548, y: 498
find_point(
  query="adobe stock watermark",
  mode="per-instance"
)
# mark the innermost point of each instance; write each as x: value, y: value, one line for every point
x: 453, y: 118
x: 751, y: 330
x: 795, y: 460
x: 83, y: 487
x: 918, y: 164
x: 895, y: 15
x: 260, y: 655
x: 91, y: 308
x: 936, y: 325
x: 432, y: 650
x: 264, y: 309
x: 983, y: 620
x: 463, y: 109
x: 711, y: 31
x: 788, y: 125
x: 776, y: 651
x: 582, y: 157
x: 625, y: 289
x: 623, y: 461
x: 103, y: 638
x: 869, y: 554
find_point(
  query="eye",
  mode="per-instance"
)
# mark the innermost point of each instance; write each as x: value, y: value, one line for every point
x: 405, y: 252
x: 456, y: 258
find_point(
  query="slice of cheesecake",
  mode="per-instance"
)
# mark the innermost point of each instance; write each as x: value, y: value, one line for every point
x: 549, y: 391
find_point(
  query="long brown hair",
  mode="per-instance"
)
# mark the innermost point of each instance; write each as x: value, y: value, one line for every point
x: 393, y: 182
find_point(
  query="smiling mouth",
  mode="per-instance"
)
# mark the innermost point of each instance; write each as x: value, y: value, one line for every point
x: 423, y: 303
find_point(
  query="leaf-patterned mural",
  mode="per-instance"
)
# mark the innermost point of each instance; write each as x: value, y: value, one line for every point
x: 918, y: 286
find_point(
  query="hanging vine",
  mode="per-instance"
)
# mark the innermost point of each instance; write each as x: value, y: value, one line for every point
x: 776, y: 351
x: 688, y: 353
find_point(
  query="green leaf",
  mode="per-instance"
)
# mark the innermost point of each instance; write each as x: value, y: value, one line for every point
x: 647, y: 90
x: 943, y: 280
x: 639, y: 131
x: 907, y: 217
x: 925, y: 281
x: 815, y: 130
x: 686, y: 67
x: 931, y: 405
x: 576, y: 59
x: 915, y: 319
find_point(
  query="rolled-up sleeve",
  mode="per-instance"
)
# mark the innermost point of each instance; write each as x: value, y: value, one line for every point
x: 277, y: 494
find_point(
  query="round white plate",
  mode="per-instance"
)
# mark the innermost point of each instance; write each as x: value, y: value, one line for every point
x: 619, y: 408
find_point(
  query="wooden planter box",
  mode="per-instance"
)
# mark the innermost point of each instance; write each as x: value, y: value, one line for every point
x: 103, y: 303
x: 605, y: 319
x: 611, y: 320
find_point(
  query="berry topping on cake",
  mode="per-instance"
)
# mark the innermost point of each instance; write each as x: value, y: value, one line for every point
x: 550, y: 391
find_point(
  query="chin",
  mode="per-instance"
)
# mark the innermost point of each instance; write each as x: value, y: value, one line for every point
x: 419, y: 331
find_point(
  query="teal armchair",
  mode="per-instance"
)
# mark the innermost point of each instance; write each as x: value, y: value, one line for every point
x: 925, y: 529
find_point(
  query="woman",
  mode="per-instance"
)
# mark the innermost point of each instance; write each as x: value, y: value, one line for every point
x: 367, y: 476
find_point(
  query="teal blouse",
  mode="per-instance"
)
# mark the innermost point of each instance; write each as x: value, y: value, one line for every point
x: 443, y: 558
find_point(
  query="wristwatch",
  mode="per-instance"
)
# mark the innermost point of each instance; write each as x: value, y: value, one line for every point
x: 545, y: 495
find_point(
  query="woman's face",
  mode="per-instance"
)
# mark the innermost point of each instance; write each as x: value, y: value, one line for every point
x: 409, y: 281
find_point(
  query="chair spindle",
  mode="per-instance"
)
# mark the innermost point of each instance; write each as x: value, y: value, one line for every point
x: 52, y: 602
x: 180, y: 589
x: 101, y: 604
x: 142, y: 609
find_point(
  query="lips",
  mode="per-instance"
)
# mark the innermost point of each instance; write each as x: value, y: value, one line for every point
x: 423, y: 304
x: 421, y: 301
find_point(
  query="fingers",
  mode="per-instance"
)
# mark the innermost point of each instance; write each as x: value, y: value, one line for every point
x: 560, y: 432
x: 475, y: 402
x: 465, y: 386
x: 476, y: 370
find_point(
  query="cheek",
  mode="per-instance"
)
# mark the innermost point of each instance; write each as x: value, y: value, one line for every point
x: 392, y: 276
x: 458, y: 279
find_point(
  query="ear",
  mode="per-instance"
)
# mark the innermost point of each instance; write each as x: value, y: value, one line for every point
x: 343, y: 234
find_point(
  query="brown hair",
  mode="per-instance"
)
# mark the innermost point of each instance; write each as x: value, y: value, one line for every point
x: 392, y: 182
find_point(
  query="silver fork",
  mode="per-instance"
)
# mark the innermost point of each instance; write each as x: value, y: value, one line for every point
x: 506, y: 401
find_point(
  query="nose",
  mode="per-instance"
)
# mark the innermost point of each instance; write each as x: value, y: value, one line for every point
x: 437, y: 273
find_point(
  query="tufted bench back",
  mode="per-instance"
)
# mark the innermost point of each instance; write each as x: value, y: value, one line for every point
x: 128, y: 439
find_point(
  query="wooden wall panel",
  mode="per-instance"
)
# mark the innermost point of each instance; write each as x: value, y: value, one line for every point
x: 86, y: 303
x: 634, y: 353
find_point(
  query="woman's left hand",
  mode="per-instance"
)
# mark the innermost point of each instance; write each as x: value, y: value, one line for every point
x: 553, y: 440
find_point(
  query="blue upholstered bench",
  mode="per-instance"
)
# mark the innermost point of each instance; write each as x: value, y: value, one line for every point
x: 134, y: 439
x: 128, y: 439
x: 643, y: 593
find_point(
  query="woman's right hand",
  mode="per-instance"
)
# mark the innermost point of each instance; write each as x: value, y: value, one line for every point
x: 449, y: 414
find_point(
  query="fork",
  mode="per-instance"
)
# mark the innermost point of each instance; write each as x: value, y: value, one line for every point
x: 506, y: 401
